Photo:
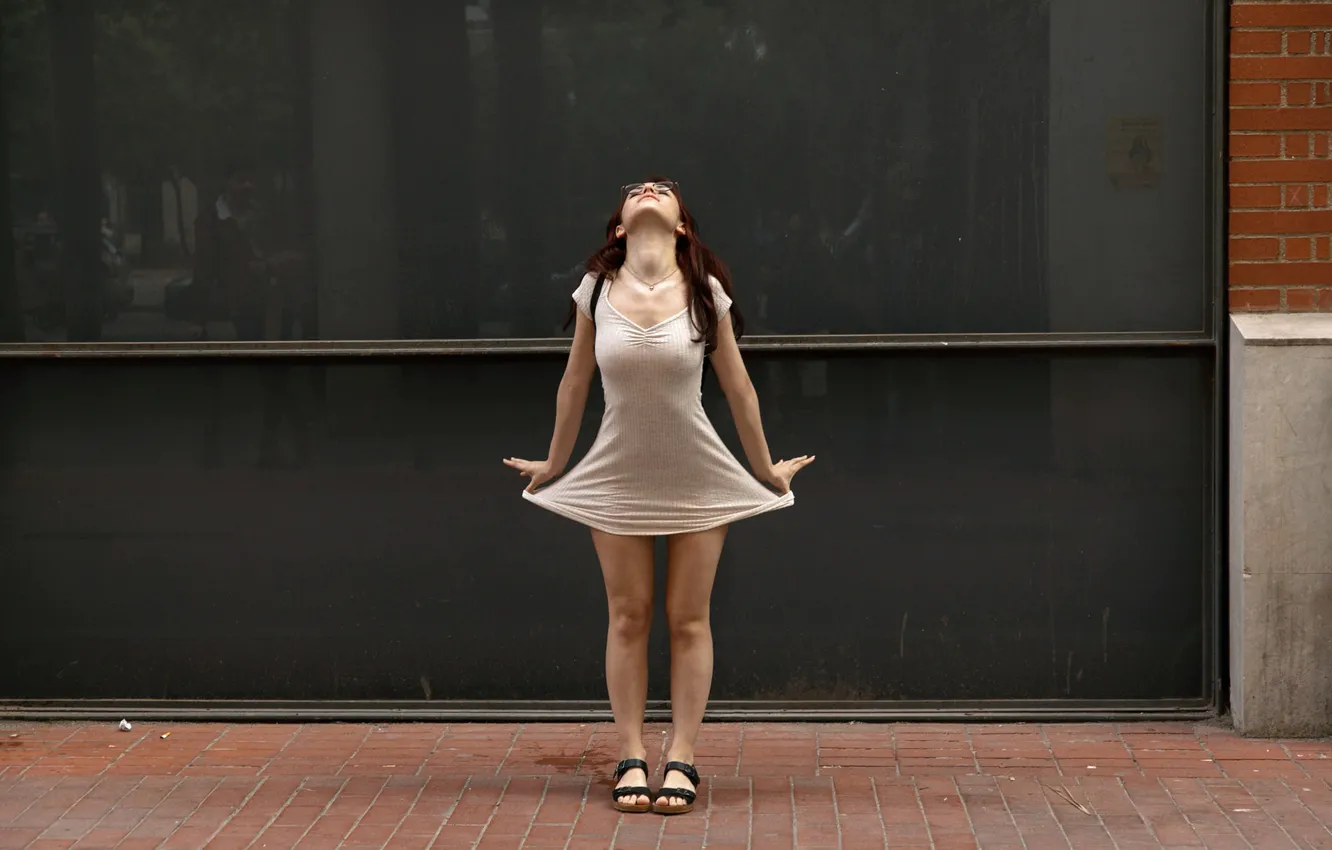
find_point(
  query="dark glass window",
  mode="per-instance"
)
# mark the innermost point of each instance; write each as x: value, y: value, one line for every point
x: 381, y: 169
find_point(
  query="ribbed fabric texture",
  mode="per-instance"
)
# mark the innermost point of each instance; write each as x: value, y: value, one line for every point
x: 657, y: 466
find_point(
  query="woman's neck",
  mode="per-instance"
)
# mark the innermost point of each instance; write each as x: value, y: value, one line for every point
x: 651, y: 255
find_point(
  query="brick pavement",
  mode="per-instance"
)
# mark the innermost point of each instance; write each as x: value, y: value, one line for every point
x: 846, y: 786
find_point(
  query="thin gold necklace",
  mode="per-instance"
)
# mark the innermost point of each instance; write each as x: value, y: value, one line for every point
x: 639, y: 277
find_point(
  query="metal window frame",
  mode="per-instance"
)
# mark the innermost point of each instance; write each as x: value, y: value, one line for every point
x: 1215, y: 684
x: 1216, y: 588
x: 560, y: 345
x: 577, y: 711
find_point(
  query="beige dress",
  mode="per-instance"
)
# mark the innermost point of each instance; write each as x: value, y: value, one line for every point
x: 657, y: 466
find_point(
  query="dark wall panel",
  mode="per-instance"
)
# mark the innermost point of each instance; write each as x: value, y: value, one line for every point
x: 976, y: 527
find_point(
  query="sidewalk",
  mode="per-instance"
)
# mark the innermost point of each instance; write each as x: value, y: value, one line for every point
x: 843, y: 786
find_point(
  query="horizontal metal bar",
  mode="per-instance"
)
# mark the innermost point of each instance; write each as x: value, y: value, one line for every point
x: 891, y: 342
x: 592, y: 712
x: 560, y: 345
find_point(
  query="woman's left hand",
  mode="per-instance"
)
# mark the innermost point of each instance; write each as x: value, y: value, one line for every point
x: 784, y: 470
x: 540, y: 471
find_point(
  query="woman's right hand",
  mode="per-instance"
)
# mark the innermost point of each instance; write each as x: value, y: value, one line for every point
x: 540, y: 471
x: 784, y: 470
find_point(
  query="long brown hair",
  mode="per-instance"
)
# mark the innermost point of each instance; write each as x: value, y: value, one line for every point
x: 696, y: 261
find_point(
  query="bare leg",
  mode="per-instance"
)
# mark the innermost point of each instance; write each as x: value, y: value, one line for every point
x: 626, y: 566
x: 693, y: 566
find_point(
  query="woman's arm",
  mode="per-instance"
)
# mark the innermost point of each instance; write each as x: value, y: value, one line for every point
x: 743, y: 400
x: 571, y: 399
x: 570, y: 402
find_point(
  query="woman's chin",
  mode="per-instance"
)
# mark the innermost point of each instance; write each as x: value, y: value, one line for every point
x: 649, y: 218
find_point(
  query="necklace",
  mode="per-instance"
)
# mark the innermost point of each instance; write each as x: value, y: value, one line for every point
x: 639, y: 278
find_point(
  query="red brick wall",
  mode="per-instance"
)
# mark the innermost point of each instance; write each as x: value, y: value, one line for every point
x: 1280, y: 163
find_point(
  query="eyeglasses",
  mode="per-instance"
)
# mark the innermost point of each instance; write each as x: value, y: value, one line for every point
x: 664, y: 187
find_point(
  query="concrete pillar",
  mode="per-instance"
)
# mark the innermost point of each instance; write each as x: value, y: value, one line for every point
x: 1281, y: 524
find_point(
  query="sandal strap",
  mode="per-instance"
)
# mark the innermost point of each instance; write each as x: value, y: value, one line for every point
x: 629, y: 764
x: 685, y: 794
x: 631, y: 791
x: 687, y: 769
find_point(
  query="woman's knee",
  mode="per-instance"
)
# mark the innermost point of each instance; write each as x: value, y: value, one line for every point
x: 630, y: 618
x: 687, y: 623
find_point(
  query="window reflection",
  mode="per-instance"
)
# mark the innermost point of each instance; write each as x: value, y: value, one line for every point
x: 438, y: 169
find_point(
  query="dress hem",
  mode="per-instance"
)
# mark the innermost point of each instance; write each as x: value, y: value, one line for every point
x: 783, y: 501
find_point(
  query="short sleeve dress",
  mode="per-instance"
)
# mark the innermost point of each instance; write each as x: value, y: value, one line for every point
x: 657, y: 466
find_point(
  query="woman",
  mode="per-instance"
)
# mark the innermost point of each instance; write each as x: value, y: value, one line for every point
x: 654, y: 303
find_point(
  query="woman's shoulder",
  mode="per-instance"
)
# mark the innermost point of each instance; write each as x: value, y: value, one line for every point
x: 582, y: 296
x: 587, y: 282
x: 719, y: 295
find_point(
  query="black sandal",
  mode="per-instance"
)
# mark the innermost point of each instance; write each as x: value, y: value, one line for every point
x: 618, y: 794
x: 686, y: 794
